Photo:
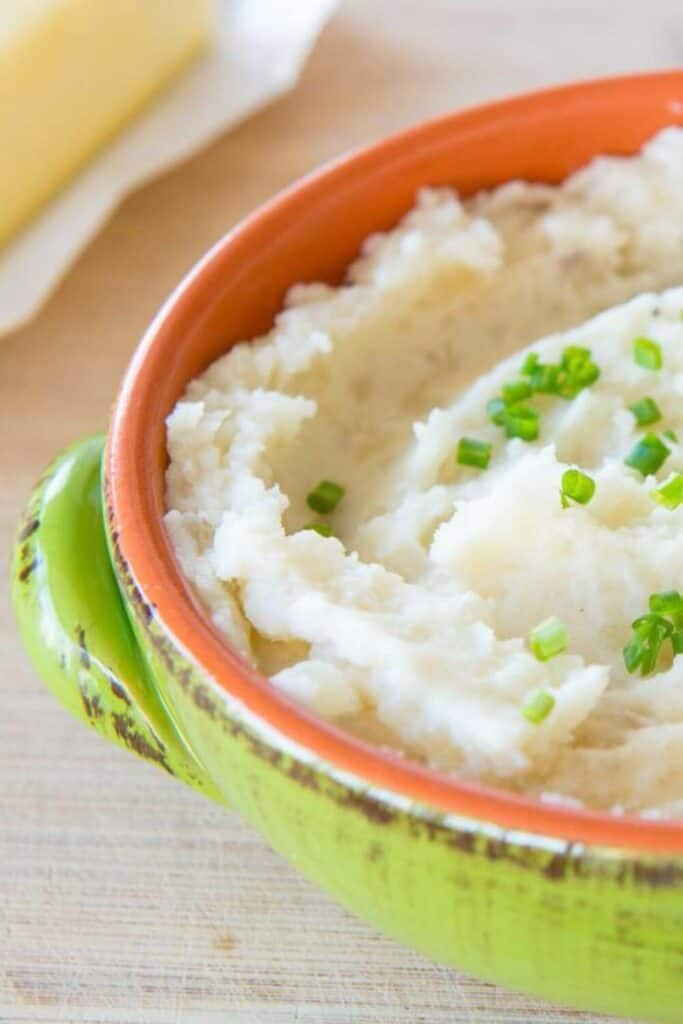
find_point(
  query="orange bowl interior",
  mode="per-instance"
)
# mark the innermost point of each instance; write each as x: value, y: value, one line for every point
x: 312, y: 232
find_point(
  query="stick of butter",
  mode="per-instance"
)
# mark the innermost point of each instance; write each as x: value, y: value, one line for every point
x: 72, y: 72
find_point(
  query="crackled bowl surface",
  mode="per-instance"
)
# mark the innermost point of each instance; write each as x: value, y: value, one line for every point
x: 575, y: 906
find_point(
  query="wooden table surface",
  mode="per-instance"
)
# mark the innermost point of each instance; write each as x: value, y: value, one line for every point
x: 123, y: 897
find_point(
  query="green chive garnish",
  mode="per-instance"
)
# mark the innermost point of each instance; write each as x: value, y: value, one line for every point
x: 529, y: 364
x: 473, y: 453
x: 516, y: 390
x: 495, y: 409
x: 669, y: 603
x: 521, y: 421
x: 574, y: 356
x: 324, y: 529
x: 646, y: 411
x: 647, y: 353
x: 537, y: 706
x: 648, y: 455
x: 325, y: 497
x: 548, y: 638
x: 576, y: 486
x: 583, y: 378
x: 670, y: 494
x: 642, y: 651
x: 664, y: 621
x: 574, y: 372
x: 579, y: 379
x: 579, y: 371
x: 544, y: 378
x: 671, y: 434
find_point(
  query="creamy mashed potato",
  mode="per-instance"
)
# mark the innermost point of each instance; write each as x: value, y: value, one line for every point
x: 410, y: 625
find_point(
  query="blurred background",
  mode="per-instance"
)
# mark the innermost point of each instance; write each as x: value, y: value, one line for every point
x: 123, y: 898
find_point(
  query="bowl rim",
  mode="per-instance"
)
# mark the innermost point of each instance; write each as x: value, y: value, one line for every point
x: 142, y: 542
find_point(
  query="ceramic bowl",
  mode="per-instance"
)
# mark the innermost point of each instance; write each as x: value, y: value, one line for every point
x: 580, y: 907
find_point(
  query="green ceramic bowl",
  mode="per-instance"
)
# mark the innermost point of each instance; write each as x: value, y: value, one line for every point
x: 574, y: 906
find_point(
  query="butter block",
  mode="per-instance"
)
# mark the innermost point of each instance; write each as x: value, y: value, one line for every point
x: 72, y: 73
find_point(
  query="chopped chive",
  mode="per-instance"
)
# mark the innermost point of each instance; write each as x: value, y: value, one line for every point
x: 670, y: 494
x: 576, y: 486
x: 495, y: 409
x: 648, y: 455
x: 578, y: 378
x: 572, y: 374
x: 671, y: 434
x: 647, y: 353
x: 537, y: 706
x: 642, y: 651
x: 521, y: 421
x: 529, y: 364
x: 646, y: 411
x: 544, y: 378
x: 669, y: 603
x: 325, y: 497
x: 472, y: 452
x: 548, y: 638
x: 652, y: 620
x: 664, y: 621
x: 516, y: 390
x: 324, y: 529
x: 633, y: 654
x: 574, y: 356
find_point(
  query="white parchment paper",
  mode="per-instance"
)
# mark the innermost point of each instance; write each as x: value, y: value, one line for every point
x: 260, y: 48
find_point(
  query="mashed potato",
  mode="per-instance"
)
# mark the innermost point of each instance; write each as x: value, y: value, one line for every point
x: 410, y: 624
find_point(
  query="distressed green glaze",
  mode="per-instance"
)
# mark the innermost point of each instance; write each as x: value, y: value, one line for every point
x: 75, y: 625
x: 594, y: 927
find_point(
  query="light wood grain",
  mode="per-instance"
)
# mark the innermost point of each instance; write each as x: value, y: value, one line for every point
x: 124, y: 898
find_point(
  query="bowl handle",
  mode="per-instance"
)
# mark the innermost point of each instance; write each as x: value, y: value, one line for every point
x: 74, y: 622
